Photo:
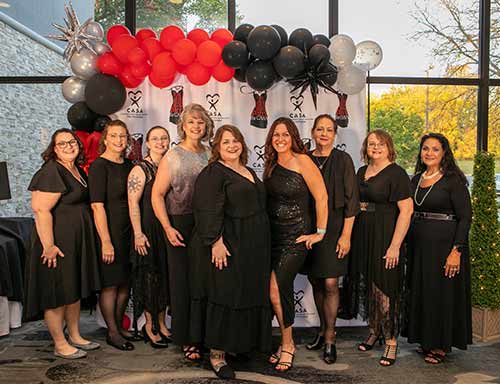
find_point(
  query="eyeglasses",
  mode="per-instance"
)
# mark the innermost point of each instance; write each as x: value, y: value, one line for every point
x: 115, y: 136
x: 157, y: 139
x: 377, y: 145
x: 64, y: 144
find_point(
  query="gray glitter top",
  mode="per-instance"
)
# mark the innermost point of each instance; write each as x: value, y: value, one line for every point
x: 183, y: 167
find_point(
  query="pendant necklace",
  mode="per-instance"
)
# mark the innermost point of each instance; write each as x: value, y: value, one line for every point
x: 320, y: 164
x: 426, y: 193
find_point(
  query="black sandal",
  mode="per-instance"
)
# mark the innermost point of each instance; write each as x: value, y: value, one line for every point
x: 275, y: 356
x: 367, y: 346
x: 390, y: 350
x: 191, y: 350
x: 221, y: 369
x: 287, y: 364
x: 330, y: 353
x: 434, y: 358
x: 126, y: 346
x: 317, y: 343
x: 134, y: 336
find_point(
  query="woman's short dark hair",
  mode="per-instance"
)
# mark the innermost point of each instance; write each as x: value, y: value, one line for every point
x: 198, y: 111
x: 50, y: 154
x: 270, y: 154
x: 448, y: 164
x: 324, y: 116
x: 237, y: 135
x: 102, y: 146
x: 385, y: 138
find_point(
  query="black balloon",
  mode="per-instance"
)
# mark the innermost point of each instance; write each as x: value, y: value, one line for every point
x: 302, y: 39
x: 235, y: 54
x: 289, y: 62
x: 318, y: 55
x: 241, y: 33
x: 264, y: 42
x: 328, y: 74
x: 105, y: 94
x: 100, y: 122
x: 260, y: 75
x: 81, y: 117
x: 283, y: 34
x: 321, y: 39
x: 241, y: 74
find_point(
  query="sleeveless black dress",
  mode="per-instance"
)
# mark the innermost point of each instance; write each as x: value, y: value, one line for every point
x: 288, y: 207
x: 77, y: 273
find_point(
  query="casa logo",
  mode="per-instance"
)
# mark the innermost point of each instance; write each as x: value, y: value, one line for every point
x: 135, y: 108
x: 298, y: 297
x: 212, y: 107
x: 258, y: 163
x: 297, y: 113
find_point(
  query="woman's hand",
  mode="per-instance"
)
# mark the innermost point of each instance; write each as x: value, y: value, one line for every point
x: 391, y: 257
x: 108, y: 252
x: 174, y: 237
x: 49, y: 256
x: 452, y: 266
x: 309, y: 240
x: 343, y: 246
x: 219, y: 254
x: 141, y: 244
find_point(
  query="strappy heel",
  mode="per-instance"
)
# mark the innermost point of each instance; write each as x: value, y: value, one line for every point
x: 389, y: 356
x: 286, y: 364
x: 275, y: 357
x: 434, y: 358
x: 367, y: 345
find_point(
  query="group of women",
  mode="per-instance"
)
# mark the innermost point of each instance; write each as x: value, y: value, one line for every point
x: 195, y: 229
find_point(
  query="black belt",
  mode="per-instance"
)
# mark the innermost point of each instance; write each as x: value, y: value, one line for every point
x: 435, y: 216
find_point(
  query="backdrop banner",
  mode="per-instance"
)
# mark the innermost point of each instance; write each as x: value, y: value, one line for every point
x: 253, y: 113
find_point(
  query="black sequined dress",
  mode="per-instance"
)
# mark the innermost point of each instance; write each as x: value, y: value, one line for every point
x: 288, y: 206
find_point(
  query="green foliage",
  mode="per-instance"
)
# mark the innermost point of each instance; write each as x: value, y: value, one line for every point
x: 405, y: 129
x: 485, y: 234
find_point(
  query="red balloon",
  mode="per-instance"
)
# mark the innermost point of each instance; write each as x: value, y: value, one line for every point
x: 141, y: 70
x: 184, y: 51
x: 209, y: 53
x: 128, y: 79
x: 109, y: 64
x: 170, y: 35
x: 164, y: 66
x: 126, y: 322
x: 198, y: 36
x: 221, y: 36
x: 222, y: 72
x: 137, y: 56
x: 197, y: 74
x: 123, y: 45
x: 160, y: 82
x: 182, y: 69
x: 144, y: 34
x: 152, y: 47
x: 115, y: 31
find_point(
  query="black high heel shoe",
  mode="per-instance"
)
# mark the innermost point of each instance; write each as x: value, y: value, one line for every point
x: 155, y: 344
x: 166, y: 339
x: 330, y: 353
x: 317, y: 343
x: 367, y: 345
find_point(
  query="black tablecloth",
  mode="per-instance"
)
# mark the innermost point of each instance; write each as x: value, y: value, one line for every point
x: 15, y: 233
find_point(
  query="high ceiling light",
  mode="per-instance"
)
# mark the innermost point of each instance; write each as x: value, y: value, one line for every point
x: 4, y: 4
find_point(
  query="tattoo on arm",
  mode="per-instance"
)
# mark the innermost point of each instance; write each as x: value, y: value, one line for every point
x: 134, y: 184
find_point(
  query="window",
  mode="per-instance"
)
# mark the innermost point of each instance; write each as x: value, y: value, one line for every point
x: 494, y: 129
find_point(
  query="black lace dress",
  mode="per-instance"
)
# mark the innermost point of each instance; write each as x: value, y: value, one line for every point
x: 289, y: 210
x: 150, y: 289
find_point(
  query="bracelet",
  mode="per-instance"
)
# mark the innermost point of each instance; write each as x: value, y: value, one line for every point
x: 321, y: 231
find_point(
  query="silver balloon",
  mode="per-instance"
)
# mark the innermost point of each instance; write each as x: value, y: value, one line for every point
x: 351, y: 80
x: 368, y: 55
x: 84, y: 64
x: 73, y: 89
x: 95, y: 29
x: 101, y: 48
x: 342, y: 49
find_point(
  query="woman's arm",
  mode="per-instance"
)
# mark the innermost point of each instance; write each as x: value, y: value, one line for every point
x: 42, y: 204
x: 315, y: 183
x: 344, y: 242
x: 402, y: 224
x: 101, y: 224
x: 160, y: 188
x: 135, y: 189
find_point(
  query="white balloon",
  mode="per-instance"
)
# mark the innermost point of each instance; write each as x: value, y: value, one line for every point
x: 351, y: 80
x: 95, y: 29
x: 101, y: 48
x: 73, y: 89
x: 342, y: 49
x: 368, y: 55
x: 84, y: 64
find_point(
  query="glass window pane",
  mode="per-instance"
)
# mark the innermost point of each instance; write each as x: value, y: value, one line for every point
x: 494, y: 129
x: 495, y: 40
x: 206, y: 14
x: 290, y: 14
x: 109, y: 12
x: 419, y: 38
x: 28, y: 120
x: 24, y: 25
x: 407, y: 112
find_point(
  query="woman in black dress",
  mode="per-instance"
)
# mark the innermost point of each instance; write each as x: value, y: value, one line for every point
x: 379, y: 231
x: 439, y: 278
x: 61, y: 267
x: 108, y: 195
x: 290, y: 177
x: 230, y: 255
x: 149, y: 260
x: 328, y: 258
x: 171, y: 198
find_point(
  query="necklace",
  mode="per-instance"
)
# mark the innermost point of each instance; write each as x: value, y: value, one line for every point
x: 425, y: 177
x: 322, y: 163
x: 78, y: 176
x: 426, y: 193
